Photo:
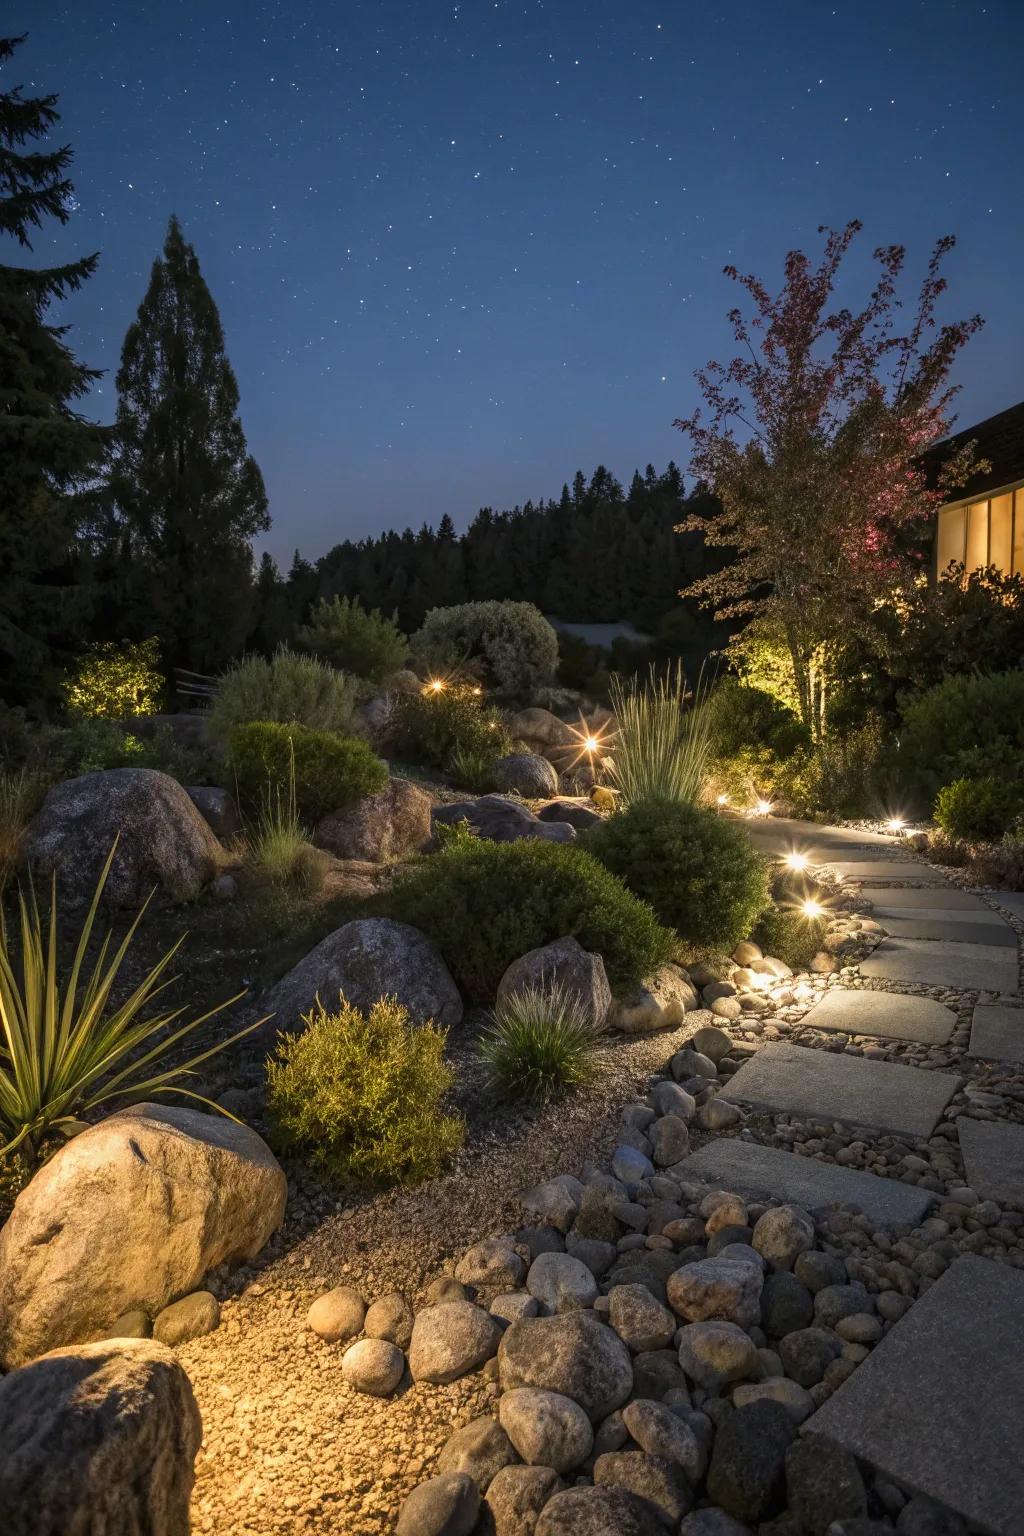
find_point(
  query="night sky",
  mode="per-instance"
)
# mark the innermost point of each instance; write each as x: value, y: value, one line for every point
x: 461, y: 250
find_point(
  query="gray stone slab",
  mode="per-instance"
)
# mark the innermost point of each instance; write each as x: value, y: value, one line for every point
x: 993, y: 1159
x: 911, y: 925
x: 887, y: 869
x: 973, y: 917
x: 970, y: 967
x: 949, y: 897
x: 997, y: 1032
x: 1013, y: 901
x: 786, y: 832
x: 937, y: 1404
x: 829, y: 1085
x: 886, y: 1015
x: 749, y: 1169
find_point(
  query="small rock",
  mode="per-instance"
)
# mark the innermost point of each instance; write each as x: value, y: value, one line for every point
x: 546, y: 1428
x: 746, y: 1473
x: 450, y: 1340
x: 337, y: 1315
x: 187, y: 1319
x: 590, y: 1511
x: 391, y: 1318
x: 782, y: 1234
x: 373, y: 1366
x: 717, y: 1289
x: 711, y: 1042
x: 796, y: 1400
x: 823, y: 1483
x: 517, y: 1495
x: 443, y: 1506
x: 494, y: 1262
x: 661, y: 1432
x: 561, y: 1283
x: 713, y: 1354
x: 132, y: 1325
x: 807, y: 1353
x: 479, y: 1449
x: 639, y: 1318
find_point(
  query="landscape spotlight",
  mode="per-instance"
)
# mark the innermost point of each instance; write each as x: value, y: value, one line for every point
x: 723, y: 799
x: 895, y: 824
x: 763, y: 808
x: 797, y: 860
x: 812, y: 908
x: 590, y: 744
x: 436, y: 685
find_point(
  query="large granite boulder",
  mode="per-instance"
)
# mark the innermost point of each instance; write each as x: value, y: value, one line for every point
x: 539, y: 727
x: 566, y: 964
x: 163, y: 840
x: 389, y: 825
x: 364, y: 961
x: 503, y: 821
x: 132, y: 1213
x: 525, y: 773
x: 98, y: 1439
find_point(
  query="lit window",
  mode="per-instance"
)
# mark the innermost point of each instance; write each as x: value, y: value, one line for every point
x: 1001, y: 532
x: 977, y: 535
x: 951, y: 537
x: 1018, y: 535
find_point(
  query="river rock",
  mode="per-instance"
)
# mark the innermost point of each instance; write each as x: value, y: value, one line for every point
x: 517, y: 1495
x: 561, y: 1283
x: 546, y: 1428
x: 660, y: 1002
x: 713, y: 1354
x: 748, y: 1460
x: 574, y: 1354
x: 479, y: 1449
x: 373, y: 1366
x: 442, y: 1506
x: 337, y: 1315
x: 590, y: 1511
x: 725, y: 1289
x: 564, y: 964
x: 450, y: 1340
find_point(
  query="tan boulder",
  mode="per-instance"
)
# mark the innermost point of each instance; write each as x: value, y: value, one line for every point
x: 392, y: 824
x: 661, y: 1002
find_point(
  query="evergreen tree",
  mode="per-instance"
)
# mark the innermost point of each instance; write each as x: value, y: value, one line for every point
x: 273, y: 621
x: 189, y: 497
x: 49, y: 454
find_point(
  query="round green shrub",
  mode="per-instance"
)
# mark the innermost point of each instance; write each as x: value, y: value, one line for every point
x: 978, y: 809
x: 697, y: 870
x: 515, y: 642
x: 741, y: 717
x: 790, y: 936
x: 289, y: 688
x: 964, y: 728
x: 330, y: 771
x: 343, y: 634
x: 360, y: 1095
x: 437, y: 728
x: 484, y: 904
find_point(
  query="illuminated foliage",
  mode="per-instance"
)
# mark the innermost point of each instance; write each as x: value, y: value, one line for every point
x: 114, y: 682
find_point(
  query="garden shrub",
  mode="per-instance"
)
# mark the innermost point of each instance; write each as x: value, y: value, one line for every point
x: 514, y: 641
x: 742, y: 717
x: 484, y: 904
x: 360, y: 1095
x: 436, y: 728
x: 964, y: 727
x: 289, y: 688
x: 697, y: 870
x: 342, y: 633
x: 115, y: 681
x: 980, y: 810
x: 843, y: 774
x: 1000, y: 864
x: 330, y: 771
x: 540, y: 1042
x: 790, y: 936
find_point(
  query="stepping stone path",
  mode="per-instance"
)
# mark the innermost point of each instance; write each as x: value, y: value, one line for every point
x: 956, y: 927
x: 750, y: 1169
x: 829, y: 1086
x: 969, y: 967
x: 1013, y: 901
x: 937, y: 1405
x: 887, y: 869
x: 997, y: 1032
x: 993, y: 1158
x: 948, y: 898
x: 886, y: 1015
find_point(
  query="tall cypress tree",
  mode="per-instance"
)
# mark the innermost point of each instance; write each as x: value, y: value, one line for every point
x: 49, y: 453
x: 189, y: 496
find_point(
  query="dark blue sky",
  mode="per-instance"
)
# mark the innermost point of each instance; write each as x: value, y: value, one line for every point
x: 460, y: 250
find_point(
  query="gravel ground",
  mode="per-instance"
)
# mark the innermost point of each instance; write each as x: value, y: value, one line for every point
x: 288, y: 1446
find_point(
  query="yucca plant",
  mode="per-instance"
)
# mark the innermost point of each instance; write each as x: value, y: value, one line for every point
x: 663, y: 742
x: 541, y: 1041
x: 65, y: 1047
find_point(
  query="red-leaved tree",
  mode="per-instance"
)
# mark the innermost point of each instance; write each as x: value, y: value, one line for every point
x: 811, y: 438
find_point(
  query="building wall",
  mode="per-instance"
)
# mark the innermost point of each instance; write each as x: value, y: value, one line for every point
x: 987, y: 530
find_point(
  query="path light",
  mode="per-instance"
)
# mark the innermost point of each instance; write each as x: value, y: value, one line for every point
x: 436, y: 685
x: 723, y: 799
x: 812, y: 908
x: 763, y: 808
x: 895, y: 824
x: 796, y: 860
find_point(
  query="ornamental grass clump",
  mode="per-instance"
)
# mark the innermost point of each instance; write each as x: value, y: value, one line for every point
x: 541, y: 1041
x: 698, y: 871
x: 278, y: 848
x: 65, y: 1047
x: 360, y: 1095
x: 662, y: 747
x: 789, y: 935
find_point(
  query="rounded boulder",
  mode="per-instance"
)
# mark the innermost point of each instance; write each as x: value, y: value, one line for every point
x: 574, y: 1354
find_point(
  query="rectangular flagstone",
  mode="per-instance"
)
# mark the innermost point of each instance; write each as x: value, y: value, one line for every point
x: 997, y: 1032
x: 969, y: 967
x: 993, y: 1158
x: 828, y: 1085
x: 885, y: 1015
x: 1013, y: 901
x: 973, y: 917
x: 936, y: 1406
x: 887, y: 869
x: 759, y: 1172
x: 949, y: 897
x: 947, y: 926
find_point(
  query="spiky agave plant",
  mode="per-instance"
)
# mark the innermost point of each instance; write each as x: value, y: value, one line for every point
x: 65, y: 1048
x: 662, y: 745
x: 540, y: 1041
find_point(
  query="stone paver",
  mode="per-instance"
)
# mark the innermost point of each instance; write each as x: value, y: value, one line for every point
x: 949, y: 897
x: 829, y: 1085
x: 912, y: 925
x: 886, y: 1015
x: 1013, y: 901
x: 937, y: 1404
x: 993, y: 1158
x: 778, y: 836
x: 969, y: 967
x: 887, y: 869
x: 750, y: 1169
x: 976, y: 917
x: 997, y: 1032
